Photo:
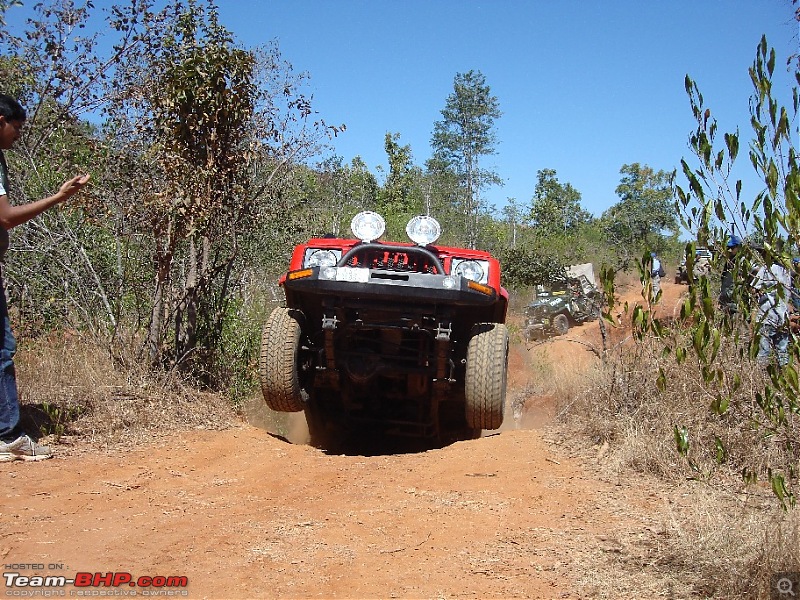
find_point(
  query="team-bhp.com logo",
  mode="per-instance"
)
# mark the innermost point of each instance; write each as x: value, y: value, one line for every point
x: 21, y: 585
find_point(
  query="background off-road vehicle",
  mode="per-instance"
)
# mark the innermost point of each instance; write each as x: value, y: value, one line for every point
x: 392, y: 337
x: 702, y: 266
x: 563, y: 303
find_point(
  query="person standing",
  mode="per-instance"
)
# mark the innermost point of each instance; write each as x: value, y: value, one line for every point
x: 656, y: 273
x: 773, y: 286
x: 14, y: 443
x: 727, y: 293
x: 796, y: 284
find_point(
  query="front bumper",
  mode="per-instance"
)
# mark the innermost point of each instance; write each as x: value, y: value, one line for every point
x: 383, y: 284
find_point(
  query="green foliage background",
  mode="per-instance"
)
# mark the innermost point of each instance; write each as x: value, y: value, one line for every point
x: 209, y: 164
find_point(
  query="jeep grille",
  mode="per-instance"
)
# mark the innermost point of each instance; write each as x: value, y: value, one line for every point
x: 393, y: 258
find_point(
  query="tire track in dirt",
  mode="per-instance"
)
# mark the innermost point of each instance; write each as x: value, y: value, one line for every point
x: 244, y: 514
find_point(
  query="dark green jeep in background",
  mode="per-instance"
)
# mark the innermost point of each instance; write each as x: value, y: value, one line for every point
x: 562, y: 304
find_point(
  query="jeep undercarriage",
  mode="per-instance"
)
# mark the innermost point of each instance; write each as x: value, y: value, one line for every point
x: 390, y: 339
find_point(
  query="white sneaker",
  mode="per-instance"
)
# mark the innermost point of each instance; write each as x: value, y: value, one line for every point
x: 23, y: 448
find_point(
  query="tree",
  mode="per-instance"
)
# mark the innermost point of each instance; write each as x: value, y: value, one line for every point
x: 396, y: 192
x: 527, y: 266
x: 399, y: 198
x: 4, y: 6
x: 196, y: 96
x: 362, y: 184
x: 464, y: 136
x: 56, y: 71
x: 512, y: 216
x: 556, y: 208
x: 756, y: 403
x: 341, y: 191
x: 208, y: 126
x: 645, y: 215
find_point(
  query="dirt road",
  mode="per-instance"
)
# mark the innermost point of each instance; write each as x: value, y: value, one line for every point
x: 241, y: 513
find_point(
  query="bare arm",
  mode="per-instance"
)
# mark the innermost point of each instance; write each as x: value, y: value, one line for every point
x: 11, y: 216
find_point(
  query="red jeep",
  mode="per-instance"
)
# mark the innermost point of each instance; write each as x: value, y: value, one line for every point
x: 407, y: 338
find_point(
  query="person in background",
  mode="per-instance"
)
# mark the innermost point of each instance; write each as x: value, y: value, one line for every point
x: 796, y: 284
x: 794, y: 313
x: 656, y: 273
x: 14, y: 443
x: 773, y: 287
x: 727, y: 292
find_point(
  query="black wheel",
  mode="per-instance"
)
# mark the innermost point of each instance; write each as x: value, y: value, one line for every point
x: 279, y: 362
x: 486, y: 376
x: 561, y: 324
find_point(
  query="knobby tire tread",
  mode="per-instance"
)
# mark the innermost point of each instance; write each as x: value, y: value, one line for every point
x: 486, y: 376
x: 561, y: 324
x: 280, y: 343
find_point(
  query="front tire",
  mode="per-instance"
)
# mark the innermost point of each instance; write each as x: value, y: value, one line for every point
x: 561, y: 324
x: 486, y: 376
x: 279, y: 361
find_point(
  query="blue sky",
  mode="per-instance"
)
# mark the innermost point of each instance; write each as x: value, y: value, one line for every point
x: 584, y: 87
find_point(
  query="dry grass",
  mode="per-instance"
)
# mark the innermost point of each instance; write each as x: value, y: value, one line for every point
x: 730, y: 546
x: 716, y: 538
x: 626, y: 409
x: 701, y: 543
x: 69, y: 387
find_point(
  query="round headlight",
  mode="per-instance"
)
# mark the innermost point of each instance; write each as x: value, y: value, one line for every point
x: 469, y: 269
x: 423, y: 230
x: 368, y: 226
x: 321, y: 258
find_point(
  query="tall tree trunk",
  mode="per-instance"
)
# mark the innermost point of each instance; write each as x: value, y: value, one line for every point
x: 164, y: 257
x: 186, y: 315
x: 163, y: 266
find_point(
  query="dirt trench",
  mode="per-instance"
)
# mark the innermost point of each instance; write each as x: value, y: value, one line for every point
x: 242, y: 513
